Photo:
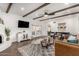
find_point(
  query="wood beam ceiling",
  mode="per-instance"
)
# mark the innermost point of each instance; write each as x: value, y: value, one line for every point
x: 45, y: 4
x: 9, y: 7
x: 59, y: 10
x: 73, y: 6
x: 77, y: 5
x: 61, y: 16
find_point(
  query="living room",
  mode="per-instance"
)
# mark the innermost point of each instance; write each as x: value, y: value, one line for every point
x: 15, y: 29
x: 38, y: 29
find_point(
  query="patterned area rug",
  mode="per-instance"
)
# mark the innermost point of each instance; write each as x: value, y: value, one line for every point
x: 36, y: 50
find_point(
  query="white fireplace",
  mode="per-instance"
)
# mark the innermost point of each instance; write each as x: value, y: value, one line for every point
x: 5, y: 44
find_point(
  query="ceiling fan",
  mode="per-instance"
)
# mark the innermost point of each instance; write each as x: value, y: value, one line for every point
x: 44, y: 15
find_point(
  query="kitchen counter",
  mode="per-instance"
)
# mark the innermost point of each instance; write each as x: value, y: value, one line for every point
x: 64, y: 48
x: 67, y: 43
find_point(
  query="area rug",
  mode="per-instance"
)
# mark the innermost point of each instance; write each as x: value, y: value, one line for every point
x: 36, y: 50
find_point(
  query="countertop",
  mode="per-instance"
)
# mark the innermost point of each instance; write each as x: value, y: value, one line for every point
x: 66, y: 43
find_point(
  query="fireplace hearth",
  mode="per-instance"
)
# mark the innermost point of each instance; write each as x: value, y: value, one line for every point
x: 0, y: 39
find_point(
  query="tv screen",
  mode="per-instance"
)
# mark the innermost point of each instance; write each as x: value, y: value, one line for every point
x: 23, y: 24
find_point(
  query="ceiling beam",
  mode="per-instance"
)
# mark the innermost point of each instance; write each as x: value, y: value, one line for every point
x: 9, y: 7
x: 73, y: 6
x: 45, y: 4
x: 70, y: 7
x: 61, y: 16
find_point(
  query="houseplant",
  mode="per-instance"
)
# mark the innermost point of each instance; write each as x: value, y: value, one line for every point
x: 7, y: 32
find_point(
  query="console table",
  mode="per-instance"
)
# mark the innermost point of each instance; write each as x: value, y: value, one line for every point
x: 21, y: 36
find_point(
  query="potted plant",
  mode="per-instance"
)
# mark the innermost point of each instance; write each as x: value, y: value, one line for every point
x: 7, y: 32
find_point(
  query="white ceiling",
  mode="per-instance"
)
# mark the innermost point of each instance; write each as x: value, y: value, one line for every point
x: 16, y: 8
x: 3, y: 6
x: 51, y: 8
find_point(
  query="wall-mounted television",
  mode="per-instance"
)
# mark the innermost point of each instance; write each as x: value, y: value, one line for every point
x: 23, y: 24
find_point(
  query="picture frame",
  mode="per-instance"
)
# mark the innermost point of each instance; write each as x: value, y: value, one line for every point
x: 61, y: 27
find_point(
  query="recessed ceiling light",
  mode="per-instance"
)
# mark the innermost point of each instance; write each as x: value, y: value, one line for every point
x: 66, y: 3
x: 22, y: 9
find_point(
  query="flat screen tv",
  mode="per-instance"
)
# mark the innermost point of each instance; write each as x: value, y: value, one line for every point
x: 23, y: 24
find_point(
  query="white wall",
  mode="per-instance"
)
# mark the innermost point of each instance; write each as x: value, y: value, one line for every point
x: 53, y: 26
x: 72, y: 23
x: 11, y: 21
x: 43, y: 26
